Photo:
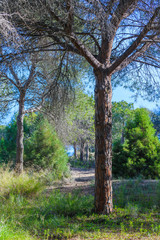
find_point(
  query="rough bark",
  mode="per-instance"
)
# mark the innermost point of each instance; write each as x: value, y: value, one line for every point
x: 82, y: 150
x: 20, y: 135
x: 103, y: 142
x: 87, y: 152
x: 75, y: 150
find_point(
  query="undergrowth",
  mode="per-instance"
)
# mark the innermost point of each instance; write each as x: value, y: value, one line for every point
x: 28, y: 213
x: 23, y: 185
x: 77, y: 163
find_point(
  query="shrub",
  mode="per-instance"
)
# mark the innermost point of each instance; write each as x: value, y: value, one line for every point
x: 140, y: 153
x: 8, y: 137
x: 43, y: 150
x: 8, y: 143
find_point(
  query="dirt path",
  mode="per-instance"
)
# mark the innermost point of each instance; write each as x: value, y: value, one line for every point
x: 84, y: 180
x: 80, y: 179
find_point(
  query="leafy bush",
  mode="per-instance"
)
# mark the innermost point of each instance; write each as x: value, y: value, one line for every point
x: 8, y: 142
x: 140, y: 153
x: 8, y: 137
x: 44, y: 150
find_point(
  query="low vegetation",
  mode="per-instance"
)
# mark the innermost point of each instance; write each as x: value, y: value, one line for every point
x: 28, y: 211
x: 137, y: 152
x: 42, y: 148
x: 22, y: 185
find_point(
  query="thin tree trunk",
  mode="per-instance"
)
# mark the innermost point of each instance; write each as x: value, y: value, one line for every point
x: 20, y: 136
x: 75, y: 150
x: 87, y: 152
x: 103, y: 143
x: 82, y: 150
x: 122, y: 136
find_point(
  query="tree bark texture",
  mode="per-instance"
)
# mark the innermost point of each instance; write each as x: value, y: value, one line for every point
x: 20, y: 136
x: 75, y: 150
x: 103, y: 142
x: 87, y: 152
x: 82, y: 150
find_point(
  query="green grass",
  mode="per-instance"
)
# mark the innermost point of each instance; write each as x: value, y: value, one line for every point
x: 27, y: 213
x: 24, y: 184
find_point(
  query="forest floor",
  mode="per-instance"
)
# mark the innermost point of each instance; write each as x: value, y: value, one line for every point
x: 135, y: 213
x: 80, y: 179
x: 84, y: 180
x: 30, y: 210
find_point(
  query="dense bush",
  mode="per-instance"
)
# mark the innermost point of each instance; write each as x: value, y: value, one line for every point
x: 140, y: 153
x: 42, y: 148
x: 8, y: 137
x: 8, y: 143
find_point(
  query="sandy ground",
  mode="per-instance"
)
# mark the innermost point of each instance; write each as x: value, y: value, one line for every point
x: 80, y: 179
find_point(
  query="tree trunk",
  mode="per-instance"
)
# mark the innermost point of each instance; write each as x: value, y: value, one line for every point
x: 20, y: 136
x: 82, y: 150
x: 75, y: 150
x: 103, y: 143
x: 87, y: 152
x: 122, y: 136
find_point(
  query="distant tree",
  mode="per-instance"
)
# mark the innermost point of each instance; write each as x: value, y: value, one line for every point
x: 20, y: 83
x: 79, y: 120
x: 121, y: 112
x: 155, y: 118
x: 140, y: 153
x: 43, y: 149
x: 8, y: 138
x: 32, y: 82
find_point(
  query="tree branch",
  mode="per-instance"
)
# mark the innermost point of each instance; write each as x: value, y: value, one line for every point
x: 84, y: 51
x: 147, y: 63
x: 54, y: 16
x: 31, y: 75
x: 132, y: 58
x: 135, y: 44
x: 9, y: 79
x: 66, y: 46
x: 35, y: 109
x: 121, y: 12
x: 70, y: 19
x: 92, y: 36
x: 18, y: 83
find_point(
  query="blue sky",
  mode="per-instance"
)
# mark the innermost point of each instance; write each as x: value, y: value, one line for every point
x: 121, y: 93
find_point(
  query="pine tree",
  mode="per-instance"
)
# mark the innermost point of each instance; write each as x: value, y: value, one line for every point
x: 140, y: 153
